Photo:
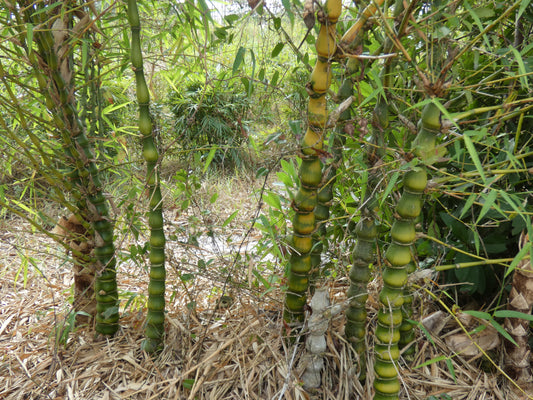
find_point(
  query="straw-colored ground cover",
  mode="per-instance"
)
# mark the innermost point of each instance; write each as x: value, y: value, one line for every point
x: 235, y: 351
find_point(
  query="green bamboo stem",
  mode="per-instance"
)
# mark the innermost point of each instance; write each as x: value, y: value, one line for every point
x: 155, y: 322
x: 502, y: 261
x: 392, y: 297
x: 329, y: 176
x: 356, y: 315
x: 393, y: 330
x: 366, y: 231
x: 305, y: 249
x: 87, y: 188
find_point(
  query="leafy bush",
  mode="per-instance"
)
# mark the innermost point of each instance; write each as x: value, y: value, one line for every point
x: 210, y: 120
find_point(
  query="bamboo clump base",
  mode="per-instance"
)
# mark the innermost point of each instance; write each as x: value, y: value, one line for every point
x: 238, y: 354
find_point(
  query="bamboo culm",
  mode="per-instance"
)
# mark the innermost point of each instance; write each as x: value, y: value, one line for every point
x: 395, y: 303
x: 155, y: 321
x: 303, y: 257
x: 356, y: 314
x: 83, y: 175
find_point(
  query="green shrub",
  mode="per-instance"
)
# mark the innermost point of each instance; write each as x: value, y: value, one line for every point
x: 211, y: 117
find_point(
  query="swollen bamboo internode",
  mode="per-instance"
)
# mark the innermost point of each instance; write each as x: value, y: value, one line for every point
x: 398, y: 257
x: 363, y: 255
x: 393, y: 330
x: 155, y: 320
x: 305, y: 248
x: 82, y: 172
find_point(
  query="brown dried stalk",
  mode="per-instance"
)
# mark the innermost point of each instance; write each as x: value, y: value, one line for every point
x: 520, y: 299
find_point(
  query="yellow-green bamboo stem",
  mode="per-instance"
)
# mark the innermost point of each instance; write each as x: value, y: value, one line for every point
x: 390, y: 315
x: 502, y: 261
x: 392, y: 329
x: 155, y: 321
x: 356, y: 28
x: 83, y: 174
x: 356, y: 315
x: 305, y: 255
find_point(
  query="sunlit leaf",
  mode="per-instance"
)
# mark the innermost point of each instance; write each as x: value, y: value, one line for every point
x: 490, y: 198
x: 432, y: 361
x: 521, y: 68
x: 230, y: 218
x: 209, y: 158
x: 473, y: 154
x: 390, y: 186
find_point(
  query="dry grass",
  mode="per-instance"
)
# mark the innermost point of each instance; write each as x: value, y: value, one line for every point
x: 232, y: 353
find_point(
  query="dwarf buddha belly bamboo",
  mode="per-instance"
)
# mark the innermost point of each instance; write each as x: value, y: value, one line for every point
x: 155, y: 321
x: 304, y: 222
x: 83, y: 174
x: 424, y: 147
x: 398, y: 257
x: 363, y: 256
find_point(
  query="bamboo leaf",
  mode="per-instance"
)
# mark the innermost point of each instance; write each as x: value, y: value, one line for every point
x: 114, y: 107
x: 519, y: 257
x: 230, y: 218
x: 445, y: 112
x: 247, y: 86
x: 489, y: 202
x: 424, y: 330
x: 502, y: 331
x: 286, y: 179
x: 272, y: 200
x: 432, y: 361
x: 478, y: 22
x: 513, y: 314
x: 477, y: 242
x: 261, y: 279
x: 451, y: 369
x: 475, y: 158
x: 188, y: 384
x: 231, y: 18
x: 521, y: 68
x: 239, y: 57
x: 487, y: 317
x: 47, y: 8
x: 522, y: 8
x: 277, y: 49
x: 210, y: 157
x: 252, y: 55
x: 478, y: 314
x: 275, y: 78
x: 468, y: 204
x: 205, y: 8
x: 29, y: 37
x: 511, y: 202
x: 287, y: 6
x: 389, y: 187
